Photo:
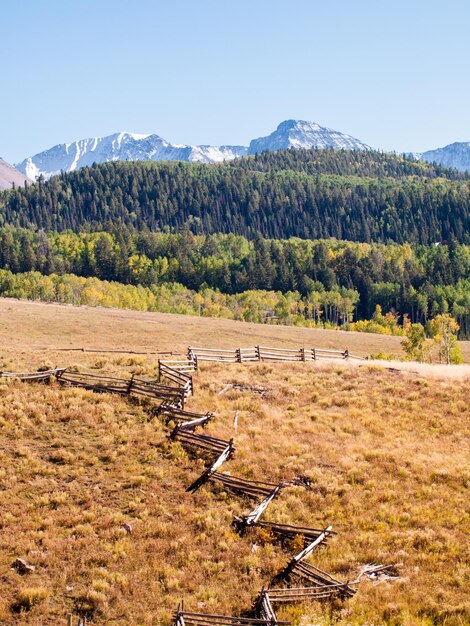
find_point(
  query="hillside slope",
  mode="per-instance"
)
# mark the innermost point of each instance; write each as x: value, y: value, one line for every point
x: 382, y: 450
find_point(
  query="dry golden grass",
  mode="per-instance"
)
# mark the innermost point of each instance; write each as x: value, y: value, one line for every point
x: 38, y: 325
x: 387, y: 453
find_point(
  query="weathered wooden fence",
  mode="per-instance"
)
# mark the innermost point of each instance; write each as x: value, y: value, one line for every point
x: 318, y: 585
x: 174, y: 395
x: 124, y: 386
x: 265, y: 353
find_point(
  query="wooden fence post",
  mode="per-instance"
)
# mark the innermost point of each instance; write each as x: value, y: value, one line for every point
x: 258, y: 353
x: 346, y: 354
x: 69, y: 619
x: 314, y: 354
x: 129, y: 386
x: 302, y: 354
x: 239, y: 355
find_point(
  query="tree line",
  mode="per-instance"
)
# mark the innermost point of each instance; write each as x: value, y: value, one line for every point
x: 334, y: 283
x: 249, y: 306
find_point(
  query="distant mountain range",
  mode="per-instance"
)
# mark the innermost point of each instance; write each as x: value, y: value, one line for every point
x: 10, y: 176
x: 136, y: 147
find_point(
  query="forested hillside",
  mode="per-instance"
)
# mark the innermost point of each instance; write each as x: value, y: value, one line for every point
x: 312, y: 194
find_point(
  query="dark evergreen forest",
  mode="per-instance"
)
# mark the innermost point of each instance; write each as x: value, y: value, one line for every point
x: 312, y: 194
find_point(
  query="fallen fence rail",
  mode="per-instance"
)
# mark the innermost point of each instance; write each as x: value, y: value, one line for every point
x: 253, y: 517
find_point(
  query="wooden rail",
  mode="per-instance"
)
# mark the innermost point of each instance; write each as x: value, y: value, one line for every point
x: 181, y: 618
x: 320, y: 579
x: 288, y: 531
x: 265, y: 609
x: 205, y: 442
x: 300, y: 594
x: 186, y: 419
x: 33, y: 376
x: 253, y: 517
x: 242, y: 486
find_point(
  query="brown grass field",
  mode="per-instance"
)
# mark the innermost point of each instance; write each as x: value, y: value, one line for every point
x: 387, y: 453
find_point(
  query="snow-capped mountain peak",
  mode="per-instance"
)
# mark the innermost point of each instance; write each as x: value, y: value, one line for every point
x: 303, y: 134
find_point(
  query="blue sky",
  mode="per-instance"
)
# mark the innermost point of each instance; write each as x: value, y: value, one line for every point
x: 394, y: 74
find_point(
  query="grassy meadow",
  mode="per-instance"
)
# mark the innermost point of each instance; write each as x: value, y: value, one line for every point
x: 386, y: 451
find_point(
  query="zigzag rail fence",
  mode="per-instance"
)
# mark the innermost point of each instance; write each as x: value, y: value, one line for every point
x: 322, y: 586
